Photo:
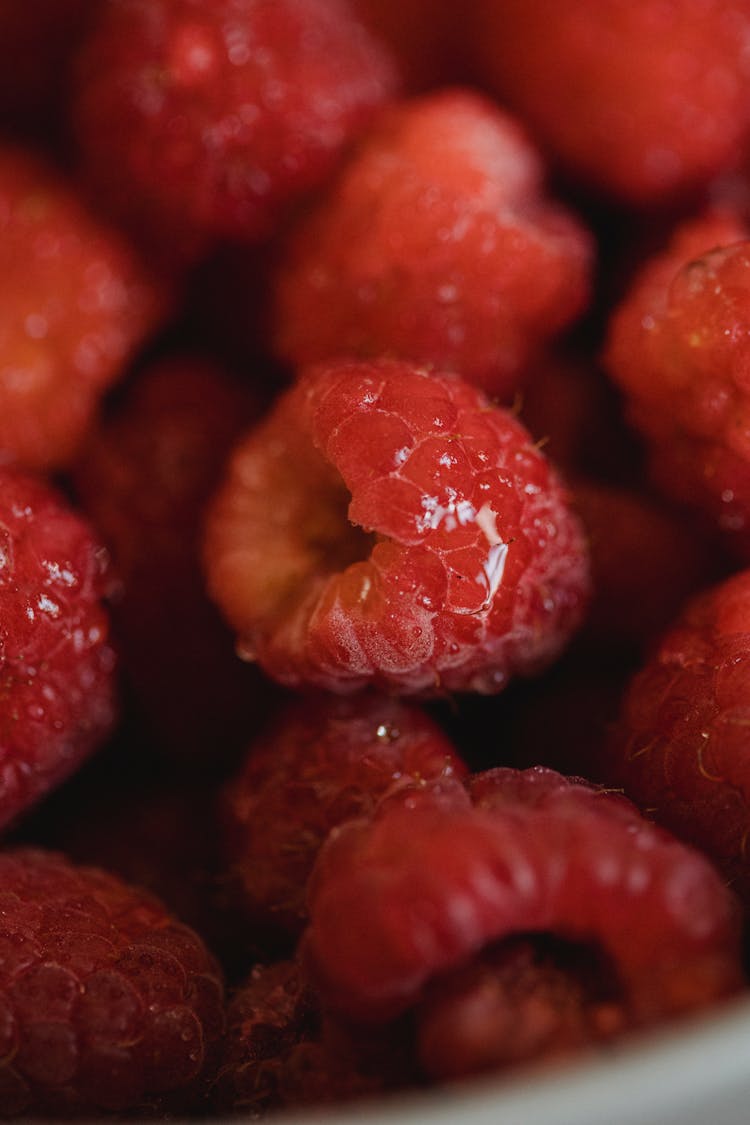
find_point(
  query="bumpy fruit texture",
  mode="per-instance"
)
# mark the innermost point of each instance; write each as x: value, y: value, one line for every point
x: 279, y: 1053
x: 397, y: 901
x: 438, y: 245
x: 681, y: 747
x: 208, y: 119
x: 325, y: 762
x: 57, y: 669
x: 108, y: 1002
x: 523, y: 1000
x: 641, y: 100
x: 678, y: 349
x: 388, y: 526
x: 75, y: 304
x: 145, y: 479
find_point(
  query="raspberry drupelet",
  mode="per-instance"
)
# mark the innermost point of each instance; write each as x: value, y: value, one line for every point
x: 388, y: 526
x: 642, y: 100
x: 57, y: 669
x: 438, y: 245
x: 485, y: 917
x: 677, y: 347
x: 681, y: 747
x: 75, y: 304
x: 324, y: 762
x: 210, y: 118
x: 108, y: 1002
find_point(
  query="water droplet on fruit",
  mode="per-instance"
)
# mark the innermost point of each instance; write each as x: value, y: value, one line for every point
x: 246, y: 651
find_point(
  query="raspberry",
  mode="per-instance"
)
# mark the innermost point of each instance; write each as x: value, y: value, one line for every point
x: 680, y: 748
x: 397, y: 901
x: 324, y: 762
x: 108, y: 1003
x: 279, y: 1052
x: 643, y: 100
x: 74, y: 306
x: 645, y: 561
x: 677, y: 347
x: 145, y: 479
x: 210, y: 119
x: 56, y: 666
x: 437, y: 245
x: 523, y: 1000
x: 459, y: 564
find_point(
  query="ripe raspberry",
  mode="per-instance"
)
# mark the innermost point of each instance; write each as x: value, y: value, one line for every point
x: 323, y: 763
x: 437, y: 245
x: 56, y: 667
x: 677, y: 347
x: 459, y: 564
x: 642, y: 100
x: 74, y: 306
x: 108, y: 1003
x: 524, y: 1000
x: 211, y: 118
x: 279, y: 1053
x: 415, y: 893
x: 681, y: 746
x: 645, y: 561
x: 145, y: 479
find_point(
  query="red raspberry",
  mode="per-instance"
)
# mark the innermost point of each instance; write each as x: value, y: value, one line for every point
x: 571, y: 408
x: 56, y: 667
x: 437, y: 245
x: 640, y: 99
x: 211, y: 117
x: 278, y: 1052
x: 677, y: 347
x: 459, y: 564
x: 145, y: 479
x: 108, y: 1003
x: 326, y: 761
x: 681, y: 746
x: 74, y: 306
x: 645, y: 561
x: 416, y: 893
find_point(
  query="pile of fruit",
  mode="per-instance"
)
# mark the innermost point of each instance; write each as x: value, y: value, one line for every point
x: 374, y: 534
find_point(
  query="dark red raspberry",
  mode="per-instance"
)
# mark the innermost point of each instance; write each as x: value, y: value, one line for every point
x: 208, y: 118
x: 325, y: 762
x: 678, y: 349
x: 436, y: 245
x: 646, y: 560
x: 415, y: 893
x: 643, y: 100
x: 145, y: 480
x: 108, y: 1003
x: 56, y: 665
x: 681, y: 748
x: 459, y: 564
x: 74, y: 306
x: 278, y: 1051
x: 522, y: 1000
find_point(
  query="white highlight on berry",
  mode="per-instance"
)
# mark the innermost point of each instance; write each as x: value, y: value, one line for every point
x: 493, y: 568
